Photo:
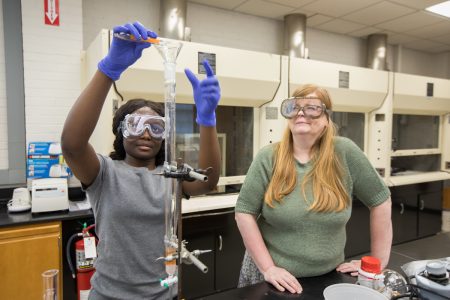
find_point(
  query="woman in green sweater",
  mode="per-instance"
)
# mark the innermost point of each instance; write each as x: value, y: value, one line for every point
x: 296, y: 199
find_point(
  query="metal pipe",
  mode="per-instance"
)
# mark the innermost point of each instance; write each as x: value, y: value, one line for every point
x: 376, y: 51
x: 295, y: 35
x: 172, y: 19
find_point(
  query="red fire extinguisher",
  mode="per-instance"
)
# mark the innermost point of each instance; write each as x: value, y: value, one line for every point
x: 84, y: 266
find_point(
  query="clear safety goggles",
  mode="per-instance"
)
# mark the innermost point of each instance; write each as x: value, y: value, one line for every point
x: 290, y: 108
x: 134, y: 125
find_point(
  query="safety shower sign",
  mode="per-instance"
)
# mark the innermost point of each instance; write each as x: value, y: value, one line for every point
x: 51, y: 12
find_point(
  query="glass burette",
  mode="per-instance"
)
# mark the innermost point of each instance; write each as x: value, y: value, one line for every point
x: 169, y: 51
x: 175, y: 172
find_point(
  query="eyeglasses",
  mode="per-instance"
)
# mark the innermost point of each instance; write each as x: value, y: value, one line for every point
x: 290, y: 108
x: 135, y: 125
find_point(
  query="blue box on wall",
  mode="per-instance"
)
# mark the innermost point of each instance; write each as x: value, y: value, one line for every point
x: 45, y: 160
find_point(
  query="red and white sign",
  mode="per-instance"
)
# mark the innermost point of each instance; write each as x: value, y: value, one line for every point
x: 51, y: 12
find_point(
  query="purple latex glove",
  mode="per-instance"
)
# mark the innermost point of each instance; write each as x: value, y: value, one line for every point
x: 206, y: 95
x: 123, y: 53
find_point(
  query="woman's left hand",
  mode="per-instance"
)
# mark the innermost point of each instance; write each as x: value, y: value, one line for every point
x: 206, y: 95
x: 350, y: 267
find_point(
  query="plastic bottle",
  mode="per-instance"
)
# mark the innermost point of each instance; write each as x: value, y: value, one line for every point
x: 369, y: 274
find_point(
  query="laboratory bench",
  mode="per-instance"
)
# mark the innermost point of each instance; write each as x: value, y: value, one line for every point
x: 31, y: 243
x: 34, y: 235
x: 193, y: 205
x: 27, y: 218
x: 434, y: 247
x: 208, y: 223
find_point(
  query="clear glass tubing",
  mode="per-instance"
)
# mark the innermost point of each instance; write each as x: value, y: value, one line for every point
x: 169, y: 50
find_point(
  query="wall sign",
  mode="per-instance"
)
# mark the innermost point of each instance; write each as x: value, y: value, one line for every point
x: 430, y: 89
x: 344, y: 79
x: 210, y: 57
x: 51, y: 12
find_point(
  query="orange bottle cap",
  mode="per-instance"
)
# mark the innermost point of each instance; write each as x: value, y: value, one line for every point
x: 371, y: 264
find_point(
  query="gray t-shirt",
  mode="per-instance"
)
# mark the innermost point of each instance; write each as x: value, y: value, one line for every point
x: 128, y: 205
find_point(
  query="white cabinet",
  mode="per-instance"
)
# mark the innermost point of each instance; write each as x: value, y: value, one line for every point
x: 420, y: 150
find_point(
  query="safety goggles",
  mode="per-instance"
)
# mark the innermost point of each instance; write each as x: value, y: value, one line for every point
x: 290, y: 108
x: 134, y: 125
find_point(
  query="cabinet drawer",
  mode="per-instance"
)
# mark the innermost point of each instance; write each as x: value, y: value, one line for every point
x: 26, y: 252
x: 30, y: 230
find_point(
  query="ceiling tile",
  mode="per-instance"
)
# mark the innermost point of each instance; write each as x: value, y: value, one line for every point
x: 405, y: 21
x: 365, y: 32
x: 226, y: 4
x: 444, y: 39
x: 400, y: 39
x: 378, y: 13
x: 437, y: 29
x: 304, y: 11
x: 440, y: 49
x: 340, y: 26
x: 423, y: 45
x: 338, y: 8
x: 317, y: 19
x: 291, y: 3
x: 410, y: 22
x: 264, y: 9
x: 419, y: 4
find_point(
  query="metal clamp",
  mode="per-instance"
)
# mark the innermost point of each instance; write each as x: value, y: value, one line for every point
x: 191, y: 258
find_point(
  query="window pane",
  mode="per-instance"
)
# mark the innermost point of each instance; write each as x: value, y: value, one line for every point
x: 406, y: 165
x: 350, y: 125
x: 415, y: 132
x: 235, y: 134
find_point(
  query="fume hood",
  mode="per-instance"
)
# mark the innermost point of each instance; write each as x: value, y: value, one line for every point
x: 352, y: 89
x: 355, y: 92
x: 420, y: 129
x: 248, y: 79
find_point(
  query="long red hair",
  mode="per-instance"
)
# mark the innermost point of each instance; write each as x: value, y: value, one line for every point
x: 326, y: 173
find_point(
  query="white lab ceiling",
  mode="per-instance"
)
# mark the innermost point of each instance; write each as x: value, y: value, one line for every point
x: 404, y: 21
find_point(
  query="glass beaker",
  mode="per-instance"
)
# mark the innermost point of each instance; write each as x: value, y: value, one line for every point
x: 50, y: 284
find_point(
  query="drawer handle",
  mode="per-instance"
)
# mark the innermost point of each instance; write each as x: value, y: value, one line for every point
x: 422, y: 204
x: 220, y: 242
x: 402, y: 210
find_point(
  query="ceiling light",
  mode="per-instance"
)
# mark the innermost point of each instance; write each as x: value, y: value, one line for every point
x: 442, y: 9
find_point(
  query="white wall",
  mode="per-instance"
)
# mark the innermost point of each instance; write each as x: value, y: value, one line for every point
x: 51, y: 67
x: 3, y: 117
x: 100, y: 14
x: 210, y: 25
x: 425, y: 64
x: 215, y: 26
x: 442, y: 64
x: 336, y: 48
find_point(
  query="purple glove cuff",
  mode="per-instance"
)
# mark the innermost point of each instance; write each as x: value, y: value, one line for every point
x: 209, y: 121
x: 105, y: 67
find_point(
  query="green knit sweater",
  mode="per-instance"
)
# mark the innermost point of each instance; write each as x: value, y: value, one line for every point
x: 308, y: 243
